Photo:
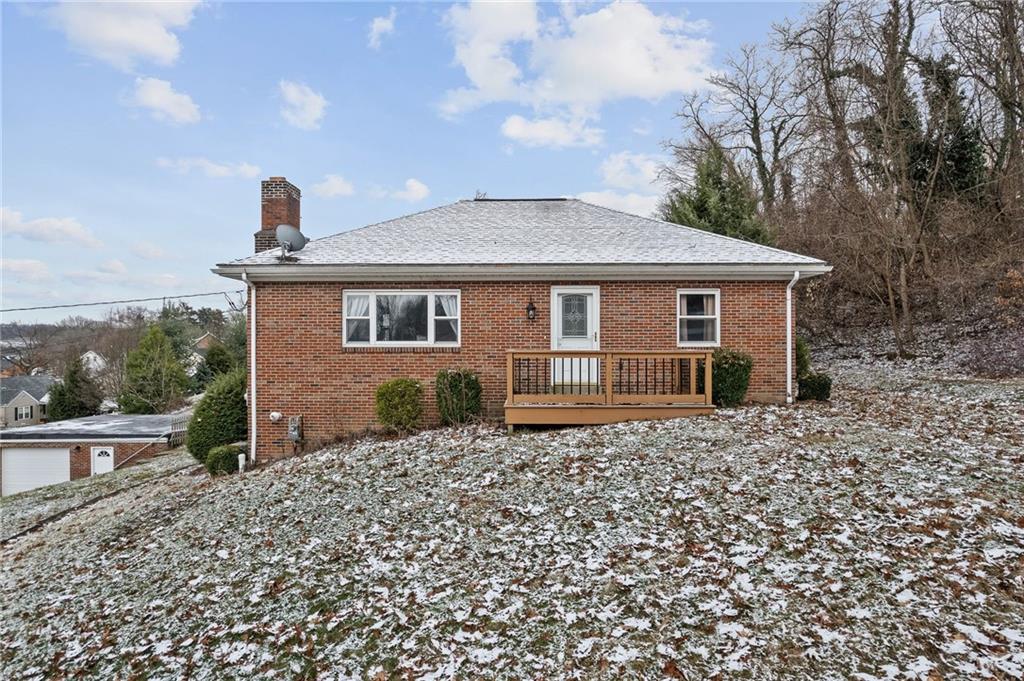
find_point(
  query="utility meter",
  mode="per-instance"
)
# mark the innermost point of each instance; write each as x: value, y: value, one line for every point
x: 295, y: 428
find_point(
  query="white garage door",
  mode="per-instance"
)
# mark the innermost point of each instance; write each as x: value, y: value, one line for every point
x: 27, y: 468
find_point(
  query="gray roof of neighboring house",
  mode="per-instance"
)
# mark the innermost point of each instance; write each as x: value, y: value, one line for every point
x: 36, y: 386
x: 529, y: 232
x: 112, y: 426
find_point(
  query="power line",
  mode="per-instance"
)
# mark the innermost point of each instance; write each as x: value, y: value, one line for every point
x: 119, y: 302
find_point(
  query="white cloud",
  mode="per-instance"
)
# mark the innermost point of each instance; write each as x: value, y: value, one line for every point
x: 121, y: 33
x: 303, y: 107
x: 380, y: 27
x: 626, y: 170
x: 414, y: 191
x: 567, y: 66
x: 185, y: 165
x: 332, y: 186
x: 163, y: 102
x: 148, y: 251
x: 113, y: 266
x: 50, y: 230
x: 31, y: 271
x: 551, y: 132
x: 637, y: 204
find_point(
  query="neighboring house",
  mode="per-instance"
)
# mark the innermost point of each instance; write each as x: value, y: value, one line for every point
x: 93, y: 362
x: 50, y: 453
x: 198, y: 352
x: 23, y: 399
x: 568, y: 312
x: 205, y: 342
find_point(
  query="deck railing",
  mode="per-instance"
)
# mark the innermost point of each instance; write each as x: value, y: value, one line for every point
x: 594, y: 377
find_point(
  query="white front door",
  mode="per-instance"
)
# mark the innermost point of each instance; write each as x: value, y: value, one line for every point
x: 102, y: 460
x: 575, y: 325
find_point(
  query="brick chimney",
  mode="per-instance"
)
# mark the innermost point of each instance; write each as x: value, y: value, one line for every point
x: 279, y: 200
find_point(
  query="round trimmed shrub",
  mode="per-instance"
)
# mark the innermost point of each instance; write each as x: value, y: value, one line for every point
x: 815, y: 387
x: 458, y: 395
x: 399, y: 404
x: 730, y: 376
x: 223, y: 459
x: 220, y: 417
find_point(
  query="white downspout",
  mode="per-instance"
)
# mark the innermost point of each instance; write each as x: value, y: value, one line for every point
x: 789, y: 337
x: 252, y: 366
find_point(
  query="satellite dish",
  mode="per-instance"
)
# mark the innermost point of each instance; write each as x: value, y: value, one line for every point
x: 290, y: 239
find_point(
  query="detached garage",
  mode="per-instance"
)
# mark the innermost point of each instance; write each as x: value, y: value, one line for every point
x: 51, y: 453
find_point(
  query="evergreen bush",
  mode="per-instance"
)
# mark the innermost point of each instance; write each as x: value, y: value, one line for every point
x: 223, y: 459
x: 399, y: 404
x: 730, y: 376
x: 458, y: 395
x: 220, y: 417
x: 815, y: 387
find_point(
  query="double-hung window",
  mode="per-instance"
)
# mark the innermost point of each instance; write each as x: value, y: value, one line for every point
x: 401, y: 318
x: 23, y: 413
x: 698, y: 313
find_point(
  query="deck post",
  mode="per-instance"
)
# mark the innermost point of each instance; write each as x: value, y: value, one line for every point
x: 607, y: 378
x: 707, y: 376
x: 509, y: 398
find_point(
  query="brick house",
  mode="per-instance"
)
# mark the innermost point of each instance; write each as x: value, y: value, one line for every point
x: 568, y: 312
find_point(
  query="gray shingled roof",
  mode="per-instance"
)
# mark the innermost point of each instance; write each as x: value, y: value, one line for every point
x: 529, y: 232
x: 36, y: 386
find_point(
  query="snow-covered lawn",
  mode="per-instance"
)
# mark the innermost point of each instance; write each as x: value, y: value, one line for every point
x: 879, y: 536
x: 24, y: 510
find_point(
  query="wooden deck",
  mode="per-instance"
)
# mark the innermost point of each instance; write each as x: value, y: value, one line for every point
x: 559, y: 387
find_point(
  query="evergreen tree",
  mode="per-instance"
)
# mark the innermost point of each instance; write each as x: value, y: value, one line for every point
x: 76, y: 396
x: 218, y: 360
x: 154, y: 378
x: 720, y: 201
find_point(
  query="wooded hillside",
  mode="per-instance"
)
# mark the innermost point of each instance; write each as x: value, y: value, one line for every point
x: 886, y: 138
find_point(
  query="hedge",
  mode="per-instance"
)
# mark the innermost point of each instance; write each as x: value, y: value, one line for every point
x: 399, y: 404
x: 220, y: 417
x: 223, y: 459
x: 458, y: 395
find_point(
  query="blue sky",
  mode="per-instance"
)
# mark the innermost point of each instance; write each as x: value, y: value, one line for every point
x: 135, y: 135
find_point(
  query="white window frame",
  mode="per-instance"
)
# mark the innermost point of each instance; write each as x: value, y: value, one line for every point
x: 717, y: 317
x: 373, y: 293
x: 18, y: 411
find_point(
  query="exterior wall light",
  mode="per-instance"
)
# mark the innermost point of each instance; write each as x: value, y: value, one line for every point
x: 531, y: 311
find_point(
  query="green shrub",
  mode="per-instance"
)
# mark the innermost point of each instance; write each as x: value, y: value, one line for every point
x: 730, y: 376
x: 803, y: 357
x: 220, y: 417
x: 815, y: 387
x: 223, y: 459
x: 400, y: 404
x: 458, y: 395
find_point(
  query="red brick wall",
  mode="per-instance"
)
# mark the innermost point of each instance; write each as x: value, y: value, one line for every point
x: 302, y: 367
x: 81, y: 460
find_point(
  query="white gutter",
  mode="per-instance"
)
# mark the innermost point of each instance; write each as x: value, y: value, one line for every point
x: 252, y: 366
x: 789, y: 337
x: 493, y: 272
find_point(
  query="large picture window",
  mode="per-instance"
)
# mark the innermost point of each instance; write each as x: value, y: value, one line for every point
x: 698, y: 318
x: 401, y: 318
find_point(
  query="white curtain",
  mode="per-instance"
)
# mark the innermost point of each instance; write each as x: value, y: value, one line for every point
x: 357, y: 306
x: 449, y: 304
x: 709, y: 305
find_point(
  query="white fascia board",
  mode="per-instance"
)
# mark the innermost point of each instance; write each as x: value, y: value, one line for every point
x: 75, y: 440
x: 625, y: 272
